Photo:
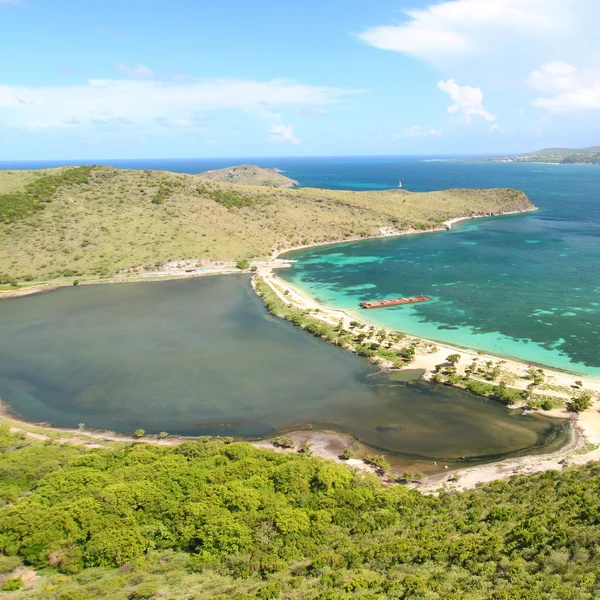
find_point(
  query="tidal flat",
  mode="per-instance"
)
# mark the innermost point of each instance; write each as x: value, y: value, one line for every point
x: 203, y: 357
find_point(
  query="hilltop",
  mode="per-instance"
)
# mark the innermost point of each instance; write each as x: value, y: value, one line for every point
x: 87, y: 221
x: 251, y: 175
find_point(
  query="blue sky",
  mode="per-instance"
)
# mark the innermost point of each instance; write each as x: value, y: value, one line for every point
x: 132, y: 79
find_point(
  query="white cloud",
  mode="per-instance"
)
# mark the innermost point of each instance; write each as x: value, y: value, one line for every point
x: 571, y: 89
x: 459, y: 27
x: 417, y: 132
x: 283, y: 133
x: 495, y: 128
x: 553, y: 76
x: 135, y: 72
x: 468, y: 101
x: 143, y: 101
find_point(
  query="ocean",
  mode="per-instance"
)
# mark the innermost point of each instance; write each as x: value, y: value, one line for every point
x: 525, y: 286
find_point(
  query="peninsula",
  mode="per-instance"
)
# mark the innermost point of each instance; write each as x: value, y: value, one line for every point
x: 562, y: 156
x: 90, y: 222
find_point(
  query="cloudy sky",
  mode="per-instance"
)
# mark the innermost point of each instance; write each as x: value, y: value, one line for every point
x: 132, y: 79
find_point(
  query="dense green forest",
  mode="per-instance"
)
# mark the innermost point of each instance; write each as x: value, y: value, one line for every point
x: 207, y: 519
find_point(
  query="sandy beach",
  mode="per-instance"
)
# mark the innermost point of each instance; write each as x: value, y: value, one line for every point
x: 584, y: 446
x: 558, y: 385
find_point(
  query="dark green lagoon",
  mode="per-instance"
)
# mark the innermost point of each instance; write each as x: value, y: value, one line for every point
x: 202, y: 356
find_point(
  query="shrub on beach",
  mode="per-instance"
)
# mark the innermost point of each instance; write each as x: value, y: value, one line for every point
x: 580, y: 402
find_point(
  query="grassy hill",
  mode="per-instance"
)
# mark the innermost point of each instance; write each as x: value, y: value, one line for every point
x: 86, y: 221
x: 251, y: 175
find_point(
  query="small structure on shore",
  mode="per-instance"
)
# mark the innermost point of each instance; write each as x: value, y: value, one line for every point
x: 394, y: 301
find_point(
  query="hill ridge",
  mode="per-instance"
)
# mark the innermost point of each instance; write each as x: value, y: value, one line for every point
x: 112, y: 219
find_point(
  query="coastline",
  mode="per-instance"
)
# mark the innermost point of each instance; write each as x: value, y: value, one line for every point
x: 586, y: 431
x: 428, y: 358
x: 387, y: 232
x: 583, y: 447
x: 326, y: 444
x: 274, y: 261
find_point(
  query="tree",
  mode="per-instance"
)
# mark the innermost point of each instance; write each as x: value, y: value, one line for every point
x: 347, y: 453
x: 578, y: 383
x: 283, y: 442
x: 537, y: 376
x: 581, y: 402
x: 306, y: 449
x: 379, y: 462
x: 138, y: 433
x: 453, y: 359
x: 242, y: 264
x: 162, y: 435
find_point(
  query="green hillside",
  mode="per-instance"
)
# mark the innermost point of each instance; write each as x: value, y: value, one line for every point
x: 581, y: 159
x: 231, y: 522
x: 251, y: 175
x: 87, y: 221
x: 560, y: 152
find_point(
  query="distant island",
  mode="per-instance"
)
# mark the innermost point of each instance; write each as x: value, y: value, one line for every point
x: 562, y: 156
x: 251, y: 175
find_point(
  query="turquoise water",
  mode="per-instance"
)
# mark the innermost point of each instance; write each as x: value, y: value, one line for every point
x: 203, y: 357
x: 526, y: 286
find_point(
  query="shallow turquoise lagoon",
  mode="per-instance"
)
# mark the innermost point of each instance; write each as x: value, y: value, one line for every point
x: 525, y: 286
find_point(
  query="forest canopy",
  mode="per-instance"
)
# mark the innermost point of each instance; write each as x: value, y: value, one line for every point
x: 233, y: 521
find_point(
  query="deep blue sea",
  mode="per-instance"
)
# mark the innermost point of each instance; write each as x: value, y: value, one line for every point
x: 526, y: 286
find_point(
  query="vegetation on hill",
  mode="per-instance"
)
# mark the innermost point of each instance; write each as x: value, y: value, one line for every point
x: 209, y: 519
x: 251, y: 175
x: 39, y: 191
x: 98, y: 220
x: 582, y: 159
x: 565, y: 156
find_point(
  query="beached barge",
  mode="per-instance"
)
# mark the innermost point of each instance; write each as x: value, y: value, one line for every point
x: 394, y: 302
